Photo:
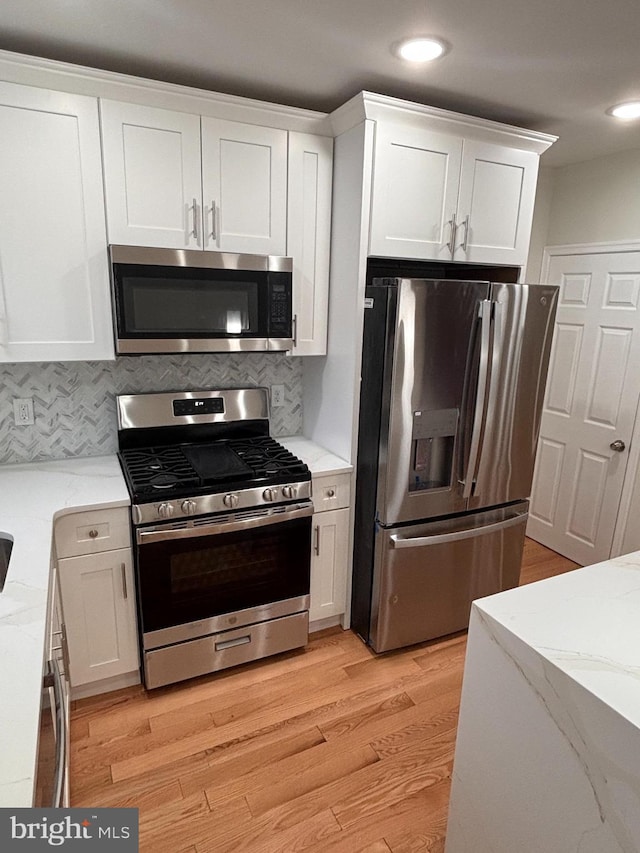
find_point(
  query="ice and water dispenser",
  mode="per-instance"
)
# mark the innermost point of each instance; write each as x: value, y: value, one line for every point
x: 432, y: 447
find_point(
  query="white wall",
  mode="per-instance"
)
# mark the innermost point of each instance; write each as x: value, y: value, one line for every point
x: 593, y: 202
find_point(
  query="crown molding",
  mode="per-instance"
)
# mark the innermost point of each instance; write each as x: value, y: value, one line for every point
x: 78, y: 79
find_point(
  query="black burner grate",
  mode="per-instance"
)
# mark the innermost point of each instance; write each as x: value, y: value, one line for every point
x: 173, y: 470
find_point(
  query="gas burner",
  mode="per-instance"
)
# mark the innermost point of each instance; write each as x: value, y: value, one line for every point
x: 163, y: 481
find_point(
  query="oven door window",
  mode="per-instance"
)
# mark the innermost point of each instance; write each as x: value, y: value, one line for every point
x: 184, y: 580
x: 164, y: 302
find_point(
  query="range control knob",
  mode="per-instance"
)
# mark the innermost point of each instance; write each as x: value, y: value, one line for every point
x: 289, y: 492
x: 165, y: 510
x: 270, y: 494
x: 230, y: 501
x: 188, y: 507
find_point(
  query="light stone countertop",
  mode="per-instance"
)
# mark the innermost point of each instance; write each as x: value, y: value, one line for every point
x: 31, y: 497
x: 548, y: 747
x: 320, y: 461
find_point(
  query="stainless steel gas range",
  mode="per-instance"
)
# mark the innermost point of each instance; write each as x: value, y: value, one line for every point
x: 221, y: 516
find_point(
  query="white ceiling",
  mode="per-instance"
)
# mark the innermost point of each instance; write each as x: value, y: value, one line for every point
x: 549, y: 65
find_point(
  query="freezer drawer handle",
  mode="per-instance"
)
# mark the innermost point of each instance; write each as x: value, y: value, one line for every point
x: 456, y: 536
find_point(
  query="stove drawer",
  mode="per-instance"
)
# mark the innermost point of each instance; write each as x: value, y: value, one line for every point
x: 90, y: 532
x: 331, y: 492
x: 228, y: 648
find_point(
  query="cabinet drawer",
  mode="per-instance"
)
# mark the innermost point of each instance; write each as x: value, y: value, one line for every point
x: 331, y: 492
x: 90, y: 532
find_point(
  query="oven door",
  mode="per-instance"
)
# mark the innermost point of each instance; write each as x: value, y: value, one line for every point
x: 216, y: 573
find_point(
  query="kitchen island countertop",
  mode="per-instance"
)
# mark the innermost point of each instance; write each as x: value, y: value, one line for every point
x: 548, y: 748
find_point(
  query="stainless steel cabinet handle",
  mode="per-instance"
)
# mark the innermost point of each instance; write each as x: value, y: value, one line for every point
x: 618, y: 445
x: 295, y: 330
x: 316, y: 533
x: 451, y: 244
x: 214, y: 235
x: 457, y: 535
x: 465, y: 225
x: 194, y: 210
x: 123, y: 569
x: 483, y: 378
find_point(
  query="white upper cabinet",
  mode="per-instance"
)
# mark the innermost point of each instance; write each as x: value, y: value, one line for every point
x: 152, y: 175
x: 54, y: 279
x: 495, y: 204
x: 308, y: 238
x: 416, y: 175
x: 446, y: 197
x: 180, y: 181
x: 244, y: 181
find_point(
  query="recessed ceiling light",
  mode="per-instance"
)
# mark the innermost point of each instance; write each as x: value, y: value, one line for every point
x: 629, y: 110
x: 423, y: 49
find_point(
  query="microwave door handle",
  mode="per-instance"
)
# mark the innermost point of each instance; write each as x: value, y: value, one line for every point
x: 483, y: 379
x: 163, y: 534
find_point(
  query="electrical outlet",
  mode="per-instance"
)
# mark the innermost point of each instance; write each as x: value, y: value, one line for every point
x: 23, y: 412
x: 277, y: 396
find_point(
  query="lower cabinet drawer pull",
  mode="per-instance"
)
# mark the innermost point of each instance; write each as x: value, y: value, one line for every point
x: 93, y: 534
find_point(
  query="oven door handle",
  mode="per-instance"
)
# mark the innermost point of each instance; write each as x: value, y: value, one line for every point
x: 164, y: 533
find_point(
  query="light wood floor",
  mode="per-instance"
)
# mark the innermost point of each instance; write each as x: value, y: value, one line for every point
x: 330, y: 748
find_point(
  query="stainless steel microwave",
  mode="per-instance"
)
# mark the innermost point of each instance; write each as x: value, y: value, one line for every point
x: 180, y: 300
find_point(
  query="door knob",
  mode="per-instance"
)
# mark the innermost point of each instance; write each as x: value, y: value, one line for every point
x: 618, y: 445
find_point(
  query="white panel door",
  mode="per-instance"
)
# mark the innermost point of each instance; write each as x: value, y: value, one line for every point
x: 54, y: 274
x: 591, y: 400
x: 329, y: 563
x: 415, y: 190
x: 244, y: 179
x: 495, y: 204
x: 152, y: 176
x: 98, y: 602
x: 308, y: 238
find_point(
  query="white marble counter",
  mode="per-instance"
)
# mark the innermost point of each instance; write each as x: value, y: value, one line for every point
x: 548, y: 750
x: 319, y: 460
x: 31, y: 497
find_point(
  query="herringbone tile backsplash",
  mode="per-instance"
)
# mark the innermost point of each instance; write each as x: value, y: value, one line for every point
x: 74, y: 402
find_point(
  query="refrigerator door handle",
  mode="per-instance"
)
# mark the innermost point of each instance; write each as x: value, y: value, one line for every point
x: 458, y: 535
x: 483, y: 379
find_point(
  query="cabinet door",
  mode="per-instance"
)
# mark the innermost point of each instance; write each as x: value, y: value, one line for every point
x: 329, y: 561
x: 495, y: 204
x: 415, y: 190
x: 244, y: 179
x: 98, y: 602
x: 152, y: 176
x: 308, y: 236
x: 54, y: 276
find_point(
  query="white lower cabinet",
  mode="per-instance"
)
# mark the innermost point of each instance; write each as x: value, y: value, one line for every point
x: 329, y: 546
x: 98, y: 595
x: 99, y: 611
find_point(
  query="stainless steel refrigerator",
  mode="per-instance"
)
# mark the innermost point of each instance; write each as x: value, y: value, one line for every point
x: 453, y: 379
